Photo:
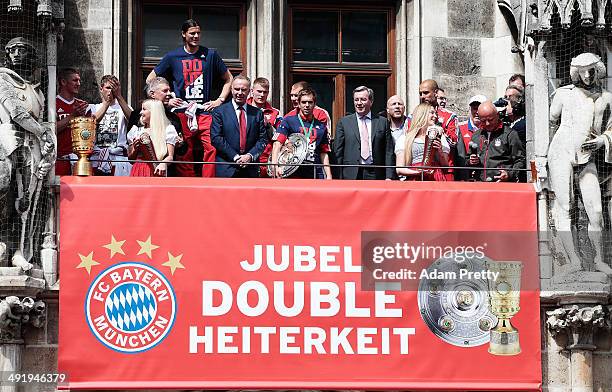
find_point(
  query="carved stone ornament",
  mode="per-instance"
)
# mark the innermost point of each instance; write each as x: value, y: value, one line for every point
x: 17, y: 313
x: 15, y: 6
x: 545, y: 8
x: 44, y: 10
x: 577, y: 324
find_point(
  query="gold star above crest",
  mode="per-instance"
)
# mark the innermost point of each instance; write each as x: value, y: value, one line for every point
x: 87, y: 262
x: 114, y: 247
x: 146, y: 247
x: 174, y: 262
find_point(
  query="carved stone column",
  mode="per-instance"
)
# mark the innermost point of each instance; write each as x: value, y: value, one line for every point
x: 15, y: 315
x: 574, y: 327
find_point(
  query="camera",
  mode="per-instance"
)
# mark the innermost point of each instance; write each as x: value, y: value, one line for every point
x: 501, y: 104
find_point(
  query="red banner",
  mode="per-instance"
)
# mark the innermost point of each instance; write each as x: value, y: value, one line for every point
x: 190, y: 283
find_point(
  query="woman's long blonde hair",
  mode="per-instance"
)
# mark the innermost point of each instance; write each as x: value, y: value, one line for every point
x: 420, y: 116
x: 157, y: 127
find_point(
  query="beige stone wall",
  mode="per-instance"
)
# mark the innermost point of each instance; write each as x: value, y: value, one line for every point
x: 95, y: 42
x: 466, y: 47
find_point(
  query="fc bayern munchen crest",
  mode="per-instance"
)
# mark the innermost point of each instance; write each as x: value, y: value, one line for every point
x: 130, y: 307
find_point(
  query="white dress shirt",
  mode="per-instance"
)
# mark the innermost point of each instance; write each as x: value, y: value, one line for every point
x: 237, y: 112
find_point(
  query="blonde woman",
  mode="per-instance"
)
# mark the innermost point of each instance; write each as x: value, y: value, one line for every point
x: 409, y: 148
x: 157, y: 132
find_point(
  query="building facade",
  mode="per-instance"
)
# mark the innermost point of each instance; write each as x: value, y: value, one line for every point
x: 469, y: 47
x: 388, y: 45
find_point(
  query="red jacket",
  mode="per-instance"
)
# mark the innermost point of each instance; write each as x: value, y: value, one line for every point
x: 448, y: 120
x: 271, y: 115
x: 466, y: 130
x: 64, y: 138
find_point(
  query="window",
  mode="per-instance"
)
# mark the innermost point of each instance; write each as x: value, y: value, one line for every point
x: 159, y: 26
x: 337, y: 49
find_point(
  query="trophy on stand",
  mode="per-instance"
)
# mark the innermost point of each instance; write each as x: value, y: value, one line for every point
x: 504, y: 297
x: 83, y: 132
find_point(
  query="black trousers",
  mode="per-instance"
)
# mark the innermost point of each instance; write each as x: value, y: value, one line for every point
x: 242, y: 172
x: 366, y: 173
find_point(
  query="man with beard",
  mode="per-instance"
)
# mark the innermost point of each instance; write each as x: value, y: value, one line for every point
x: 27, y: 153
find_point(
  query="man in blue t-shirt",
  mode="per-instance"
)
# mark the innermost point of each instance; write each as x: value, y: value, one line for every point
x: 193, y: 70
x: 315, y: 131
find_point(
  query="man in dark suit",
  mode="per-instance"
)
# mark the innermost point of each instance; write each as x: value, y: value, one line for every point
x: 238, y: 133
x: 362, y: 139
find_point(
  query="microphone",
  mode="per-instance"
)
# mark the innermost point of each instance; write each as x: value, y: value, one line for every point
x: 473, y: 147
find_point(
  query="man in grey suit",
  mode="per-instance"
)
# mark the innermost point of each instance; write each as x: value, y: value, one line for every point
x: 362, y: 139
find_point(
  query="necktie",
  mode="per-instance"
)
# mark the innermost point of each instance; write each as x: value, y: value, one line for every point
x: 243, y: 133
x: 365, y: 138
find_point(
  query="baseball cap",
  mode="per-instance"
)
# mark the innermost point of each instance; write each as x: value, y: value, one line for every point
x: 477, y: 98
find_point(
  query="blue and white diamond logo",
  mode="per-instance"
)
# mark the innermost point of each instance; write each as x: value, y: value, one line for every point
x: 130, y: 307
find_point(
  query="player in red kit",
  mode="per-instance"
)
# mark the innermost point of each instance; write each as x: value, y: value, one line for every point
x: 67, y: 107
x: 259, y: 99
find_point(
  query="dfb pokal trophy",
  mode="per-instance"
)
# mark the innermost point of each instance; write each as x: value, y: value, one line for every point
x: 504, y: 297
x: 83, y: 132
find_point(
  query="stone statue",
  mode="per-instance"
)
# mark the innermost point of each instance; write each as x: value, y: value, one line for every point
x: 27, y: 152
x: 584, y: 110
x: 15, y: 313
x: 10, y: 313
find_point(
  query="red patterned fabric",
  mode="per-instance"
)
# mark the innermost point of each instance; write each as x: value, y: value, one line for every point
x: 199, y: 138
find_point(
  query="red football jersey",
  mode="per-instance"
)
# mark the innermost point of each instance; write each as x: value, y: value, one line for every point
x: 63, y: 109
x: 270, y: 113
x: 448, y: 120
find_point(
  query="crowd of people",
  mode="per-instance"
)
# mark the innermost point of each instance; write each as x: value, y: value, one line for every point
x: 179, y: 127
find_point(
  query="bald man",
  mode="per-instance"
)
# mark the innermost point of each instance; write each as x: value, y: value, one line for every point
x: 428, y: 90
x: 396, y: 114
x: 499, y: 150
